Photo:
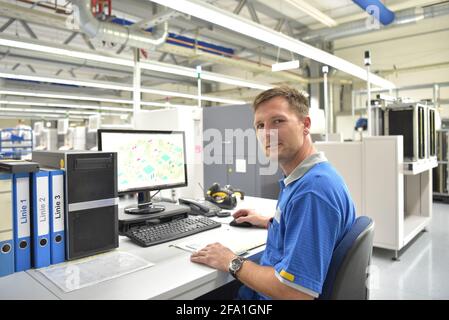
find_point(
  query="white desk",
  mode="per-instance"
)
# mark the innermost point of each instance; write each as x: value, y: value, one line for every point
x: 21, y: 286
x: 172, y: 277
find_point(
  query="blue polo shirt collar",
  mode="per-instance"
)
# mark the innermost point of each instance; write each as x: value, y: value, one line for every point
x: 303, y: 167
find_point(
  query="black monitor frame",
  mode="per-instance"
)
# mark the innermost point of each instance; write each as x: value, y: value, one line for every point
x: 149, y: 188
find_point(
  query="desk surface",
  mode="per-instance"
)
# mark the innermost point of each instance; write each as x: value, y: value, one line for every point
x: 173, y: 276
x: 21, y: 286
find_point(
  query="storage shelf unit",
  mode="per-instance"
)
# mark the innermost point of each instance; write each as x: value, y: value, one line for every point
x: 440, y: 173
x: 399, y: 201
x: 15, y: 143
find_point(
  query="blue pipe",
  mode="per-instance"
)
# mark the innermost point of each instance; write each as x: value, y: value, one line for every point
x: 184, y: 41
x: 385, y: 16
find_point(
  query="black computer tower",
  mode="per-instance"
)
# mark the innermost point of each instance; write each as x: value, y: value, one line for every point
x: 410, y: 121
x: 91, y: 221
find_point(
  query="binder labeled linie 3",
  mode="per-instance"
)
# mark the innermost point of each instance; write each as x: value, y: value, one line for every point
x: 6, y: 226
x: 40, y: 219
x: 22, y: 221
x: 57, y: 235
x: 91, y: 199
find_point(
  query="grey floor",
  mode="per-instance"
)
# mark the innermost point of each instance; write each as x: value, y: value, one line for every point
x: 423, y: 270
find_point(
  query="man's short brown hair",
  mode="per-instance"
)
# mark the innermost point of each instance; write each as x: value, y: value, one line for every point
x: 296, y: 100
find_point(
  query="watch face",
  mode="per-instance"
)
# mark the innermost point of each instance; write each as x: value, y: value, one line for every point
x: 236, y: 264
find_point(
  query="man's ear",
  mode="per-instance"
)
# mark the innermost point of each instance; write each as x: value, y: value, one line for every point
x: 307, y: 123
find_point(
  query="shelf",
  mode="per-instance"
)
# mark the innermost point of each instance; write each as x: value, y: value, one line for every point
x: 416, y: 167
x: 413, y: 225
x: 441, y: 194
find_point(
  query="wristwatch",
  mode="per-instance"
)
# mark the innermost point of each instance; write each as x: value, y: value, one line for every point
x: 235, y: 265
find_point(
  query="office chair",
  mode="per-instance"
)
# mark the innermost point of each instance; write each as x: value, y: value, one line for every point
x: 348, y: 271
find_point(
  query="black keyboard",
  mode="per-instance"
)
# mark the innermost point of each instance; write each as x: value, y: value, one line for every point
x: 151, y: 235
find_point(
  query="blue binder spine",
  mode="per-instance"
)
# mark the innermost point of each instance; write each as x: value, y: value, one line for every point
x: 22, y: 223
x: 40, y: 220
x: 57, y: 214
x: 6, y: 226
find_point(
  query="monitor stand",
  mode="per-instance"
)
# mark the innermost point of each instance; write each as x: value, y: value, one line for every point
x: 144, y: 205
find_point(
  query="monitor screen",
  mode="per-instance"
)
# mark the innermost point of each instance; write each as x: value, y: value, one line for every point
x: 146, y: 160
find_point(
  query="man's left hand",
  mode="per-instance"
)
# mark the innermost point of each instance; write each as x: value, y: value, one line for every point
x: 214, y: 255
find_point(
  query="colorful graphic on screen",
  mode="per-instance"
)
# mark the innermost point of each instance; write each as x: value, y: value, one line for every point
x: 146, y: 160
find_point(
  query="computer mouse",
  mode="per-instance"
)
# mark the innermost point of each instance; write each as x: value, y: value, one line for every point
x: 244, y: 224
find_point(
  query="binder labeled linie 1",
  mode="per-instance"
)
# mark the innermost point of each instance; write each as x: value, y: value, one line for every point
x: 6, y: 226
x: 57, y: 211
x: 40, y: 219
x: 22, y: 223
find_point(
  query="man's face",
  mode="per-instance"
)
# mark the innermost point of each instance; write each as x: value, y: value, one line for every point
x: 274, y: 119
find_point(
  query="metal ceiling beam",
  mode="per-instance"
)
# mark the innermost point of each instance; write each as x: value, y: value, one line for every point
x: 228, y: 20
x: 7, y: 24
x: 87, y: 41
x: 252, y: 12
x: 36, y: 16
x: 237, y: 63
x: 70, y: 38
x: 28, y: 29
x: 157, y: 19
x: 239, y: 7
x: 219, y: 35
x: 279, y: 25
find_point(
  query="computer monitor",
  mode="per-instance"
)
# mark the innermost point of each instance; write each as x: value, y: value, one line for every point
x: 146, y: 161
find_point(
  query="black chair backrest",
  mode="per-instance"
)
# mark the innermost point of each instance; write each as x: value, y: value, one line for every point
x: 348, y: 271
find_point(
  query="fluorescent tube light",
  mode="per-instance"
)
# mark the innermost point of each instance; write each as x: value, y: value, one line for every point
x: 62, y: 105
x: 165, y: 105
x: 92, y: 84
x: 153, y: 66
x: 251, y: 29
x: 21, y: 114
x: 206, y: 75
x: 62, y: 96
x: 285, y: 65
x: 313, y: 12
x: 191, y: 96
x: 9, y: 42
x: 106, y: 85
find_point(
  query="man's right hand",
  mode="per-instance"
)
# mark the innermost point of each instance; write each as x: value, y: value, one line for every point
x: 251, y: 216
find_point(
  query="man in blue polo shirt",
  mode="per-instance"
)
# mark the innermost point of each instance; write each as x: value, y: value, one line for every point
x: 314, y: 208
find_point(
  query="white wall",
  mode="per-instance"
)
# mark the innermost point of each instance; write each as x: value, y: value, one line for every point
x: 422, y: 43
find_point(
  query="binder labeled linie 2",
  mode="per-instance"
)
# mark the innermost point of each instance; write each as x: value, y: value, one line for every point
x: 57, y: 235
x: 22, y: 223
x: 40, y: 220
x: 6, y: 226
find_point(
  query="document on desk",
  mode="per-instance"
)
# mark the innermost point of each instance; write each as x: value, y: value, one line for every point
x: 238, y: 244
x: 74, y: 275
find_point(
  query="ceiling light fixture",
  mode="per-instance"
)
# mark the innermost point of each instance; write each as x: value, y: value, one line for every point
x: 101, y: 85
x: 68, y: 106
x: 281, y: 66
x: 165, y: 105
x: 153, y: 66
x: 62, y: 96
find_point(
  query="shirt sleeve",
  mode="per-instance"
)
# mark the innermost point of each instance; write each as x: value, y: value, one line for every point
x: 311, y: 232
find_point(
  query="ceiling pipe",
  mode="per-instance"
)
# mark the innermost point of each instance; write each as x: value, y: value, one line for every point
x: 110, y: 32
x: 403, y: 17
x: 377, y: 9
x: 60, y: 22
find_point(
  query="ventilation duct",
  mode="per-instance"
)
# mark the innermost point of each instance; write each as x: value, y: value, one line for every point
x: 111, y: 32
x: 377, y: 9
x: 403, y: 17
